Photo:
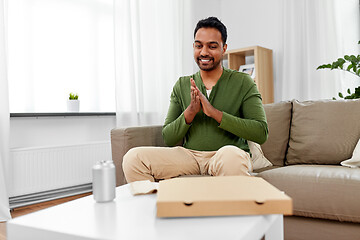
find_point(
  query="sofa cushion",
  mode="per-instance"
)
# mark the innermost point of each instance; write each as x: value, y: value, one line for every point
x: 319, y: 191
x: 278, y: 116
x: 323, y: 132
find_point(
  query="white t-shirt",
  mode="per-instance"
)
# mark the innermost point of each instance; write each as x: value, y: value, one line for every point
x: 208, y: 91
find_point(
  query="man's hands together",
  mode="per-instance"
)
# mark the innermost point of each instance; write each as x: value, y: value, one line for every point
x: 199, y: 101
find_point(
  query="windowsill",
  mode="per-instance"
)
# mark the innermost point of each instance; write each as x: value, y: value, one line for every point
x: 62, y: 114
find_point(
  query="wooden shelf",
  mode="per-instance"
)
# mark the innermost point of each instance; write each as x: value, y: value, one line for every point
x: 263, y: 68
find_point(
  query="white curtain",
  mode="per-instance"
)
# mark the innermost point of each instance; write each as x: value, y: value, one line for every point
x: 347, y: 26
x: 314, y: 33
x: 150, y: 47
x: 4, y: 120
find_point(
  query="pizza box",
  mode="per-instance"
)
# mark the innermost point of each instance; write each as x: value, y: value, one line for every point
x: 220, y: 196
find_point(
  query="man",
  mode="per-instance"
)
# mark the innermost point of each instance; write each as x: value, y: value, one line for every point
x: 215, y: 111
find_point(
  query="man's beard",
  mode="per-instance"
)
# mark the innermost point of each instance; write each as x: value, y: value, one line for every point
x: 209, y: 67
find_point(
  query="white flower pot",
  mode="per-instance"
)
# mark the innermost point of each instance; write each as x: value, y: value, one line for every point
x: 73, y: 105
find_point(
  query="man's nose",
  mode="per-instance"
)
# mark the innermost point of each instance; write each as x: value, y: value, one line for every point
x: 204, y: 51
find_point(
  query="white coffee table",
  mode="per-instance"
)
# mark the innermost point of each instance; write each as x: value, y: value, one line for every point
x: 134, y: 217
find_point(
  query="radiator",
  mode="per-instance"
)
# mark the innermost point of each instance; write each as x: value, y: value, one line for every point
x: 42, y: 171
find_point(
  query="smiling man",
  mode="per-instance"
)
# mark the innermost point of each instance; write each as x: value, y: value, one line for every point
x: 214, y: 111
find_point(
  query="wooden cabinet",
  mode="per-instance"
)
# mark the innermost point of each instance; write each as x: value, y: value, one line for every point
x: 263, y: 68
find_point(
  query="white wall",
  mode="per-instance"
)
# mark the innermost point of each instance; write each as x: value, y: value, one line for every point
x: 205, y: 8
x: 259, y: 23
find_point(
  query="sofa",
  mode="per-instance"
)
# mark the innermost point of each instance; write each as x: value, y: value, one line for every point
x: 306, y: 144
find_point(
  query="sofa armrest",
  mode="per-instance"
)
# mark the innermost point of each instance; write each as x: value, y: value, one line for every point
x: 123, y: 139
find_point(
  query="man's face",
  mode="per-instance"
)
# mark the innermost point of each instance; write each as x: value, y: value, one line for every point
x: 208, y: 48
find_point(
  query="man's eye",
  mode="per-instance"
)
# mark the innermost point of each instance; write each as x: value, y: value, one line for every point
x: 197, y: 46
x: 213, y: 47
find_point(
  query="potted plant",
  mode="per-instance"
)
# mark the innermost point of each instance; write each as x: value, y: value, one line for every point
x: 73, y: 103
x: 349, y: 64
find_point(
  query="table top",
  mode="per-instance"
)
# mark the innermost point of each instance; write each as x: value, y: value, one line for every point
x: 131, y: 217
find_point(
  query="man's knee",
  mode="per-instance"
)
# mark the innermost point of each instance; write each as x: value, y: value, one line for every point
x: 130, y: 159
x: 134, y: 161
x: 231, y: 153
x: 230, y: 160
x: 137, y: 165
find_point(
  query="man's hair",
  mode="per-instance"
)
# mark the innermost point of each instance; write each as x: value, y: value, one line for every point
x: 212, y: 22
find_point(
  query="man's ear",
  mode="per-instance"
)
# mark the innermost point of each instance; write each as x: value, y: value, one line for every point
x: 224, y: 48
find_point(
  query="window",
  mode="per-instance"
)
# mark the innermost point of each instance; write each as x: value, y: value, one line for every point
x: 57, y: 47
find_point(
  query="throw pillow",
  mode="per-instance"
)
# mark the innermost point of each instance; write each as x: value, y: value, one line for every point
x: 354, y: 161
x: 258, y: 159
x: 323, y: 131
x: 278, y: 117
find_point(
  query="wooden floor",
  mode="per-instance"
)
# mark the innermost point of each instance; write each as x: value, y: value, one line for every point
x: 36, y: 207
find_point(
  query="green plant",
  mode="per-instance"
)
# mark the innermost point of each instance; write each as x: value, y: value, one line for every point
x: 349, y: 64
x: 73, y: 96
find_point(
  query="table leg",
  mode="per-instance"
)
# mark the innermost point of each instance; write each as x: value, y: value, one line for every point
x: 276, y: 230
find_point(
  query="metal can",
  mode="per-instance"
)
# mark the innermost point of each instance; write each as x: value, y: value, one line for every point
x: 104, y: 182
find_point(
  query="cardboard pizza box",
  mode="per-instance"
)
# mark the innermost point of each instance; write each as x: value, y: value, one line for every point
x: 220, y: 196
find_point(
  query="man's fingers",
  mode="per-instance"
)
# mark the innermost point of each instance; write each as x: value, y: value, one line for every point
x: 193, y: 86
x: 203, y: 98
x: 195, y: 89
x: 192, y: 82
x: 193, y: 92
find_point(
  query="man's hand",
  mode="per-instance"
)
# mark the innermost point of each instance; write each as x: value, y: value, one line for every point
x: 207, y: 108
x: 194, y: 106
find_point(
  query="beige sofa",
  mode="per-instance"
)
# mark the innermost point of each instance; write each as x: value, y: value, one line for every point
x: 307, y: 141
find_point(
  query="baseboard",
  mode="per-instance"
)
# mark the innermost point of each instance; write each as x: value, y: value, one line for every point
x: 29, y: 199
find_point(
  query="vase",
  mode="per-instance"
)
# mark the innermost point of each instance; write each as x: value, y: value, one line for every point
x: 73, y: 105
